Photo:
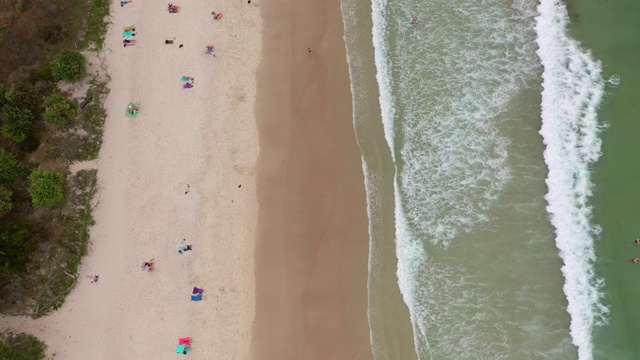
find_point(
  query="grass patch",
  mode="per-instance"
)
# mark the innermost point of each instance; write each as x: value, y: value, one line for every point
x: 80, y: 140
x: 76, y: 220
x: 97, y: 25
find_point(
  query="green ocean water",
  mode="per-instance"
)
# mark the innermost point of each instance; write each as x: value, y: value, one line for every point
x: 611, y: 30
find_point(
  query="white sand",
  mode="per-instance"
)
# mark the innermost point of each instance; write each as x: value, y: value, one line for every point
x: 205, y: 137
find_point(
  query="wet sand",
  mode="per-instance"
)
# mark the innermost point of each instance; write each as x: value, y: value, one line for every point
x: 312, y: 246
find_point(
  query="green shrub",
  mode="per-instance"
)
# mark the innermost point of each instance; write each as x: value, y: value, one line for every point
x: 43, y: 73
x: 16, y: 247
x: 46, y: 187
x: 17, y: 123
x: 10, y: 167
x: 59, y: 110
x: 6, y: 205
x: 22, y: 347
x: 3, y: 91
x: 69, y: 65
x: 20, y: 110
x: 22, y: 95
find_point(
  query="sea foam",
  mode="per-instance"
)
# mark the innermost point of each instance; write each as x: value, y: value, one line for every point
x: 572, y: 90
x: 445, y: 89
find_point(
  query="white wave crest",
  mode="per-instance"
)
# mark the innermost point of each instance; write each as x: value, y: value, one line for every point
x: 572, y: 91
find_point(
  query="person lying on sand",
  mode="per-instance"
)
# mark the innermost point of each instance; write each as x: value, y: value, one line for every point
x: 184, y: 248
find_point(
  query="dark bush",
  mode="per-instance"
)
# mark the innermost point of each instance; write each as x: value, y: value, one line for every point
x: 19, y: 111
x: 59, y: 110
x: 16, y: 127
x: 43, y: 73
x: 69, y: 65
x: 16, y: 247
x: 10, y: 167
x: 6, y: 205
x: 46, y: 187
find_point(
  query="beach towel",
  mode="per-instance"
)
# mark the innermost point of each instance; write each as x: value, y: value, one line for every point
x: 184, y: 341
x: 127, y: 33
x: 187, y: 78
x: 196, y: 297
x: 133, y: 110
x: 183, y: 349
x: 197, y: 290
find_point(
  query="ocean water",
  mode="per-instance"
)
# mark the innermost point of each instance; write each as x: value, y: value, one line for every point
x: 479, y: 127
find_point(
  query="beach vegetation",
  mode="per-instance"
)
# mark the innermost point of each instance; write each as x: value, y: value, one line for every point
x: 59, y: 110
x: 96, y: 24
x: 21, y: 346
x: 46, y: 187
x: 69, y: 65
x: 42, y: 127
x: 10, y: 167
x: 19, y: 111
x: 5, y: 201
x: 15, y: 247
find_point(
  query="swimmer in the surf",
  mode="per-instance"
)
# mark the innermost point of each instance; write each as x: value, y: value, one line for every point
x: 636, y: 260
x: 414, y: 20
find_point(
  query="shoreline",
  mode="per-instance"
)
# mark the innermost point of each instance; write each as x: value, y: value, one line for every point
x: 312, y: 249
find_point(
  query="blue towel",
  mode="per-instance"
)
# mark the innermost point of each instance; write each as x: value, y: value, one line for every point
x: 196, y: 297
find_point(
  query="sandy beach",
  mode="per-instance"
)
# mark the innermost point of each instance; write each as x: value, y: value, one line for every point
x: 256, y: 167
x: 204, y: 137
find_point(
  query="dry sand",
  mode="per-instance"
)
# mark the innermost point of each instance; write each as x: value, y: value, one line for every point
x: 311, y: 258
x: 205, y: 137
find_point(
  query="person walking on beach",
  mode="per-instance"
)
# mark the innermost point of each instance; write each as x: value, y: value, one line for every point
x: 188, y: 189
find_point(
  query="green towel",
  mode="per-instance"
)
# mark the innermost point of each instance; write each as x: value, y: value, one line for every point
x: 181, y: 349
x: 131, y: 106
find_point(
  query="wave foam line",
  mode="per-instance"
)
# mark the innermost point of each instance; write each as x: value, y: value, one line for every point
x: 572, y: 91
